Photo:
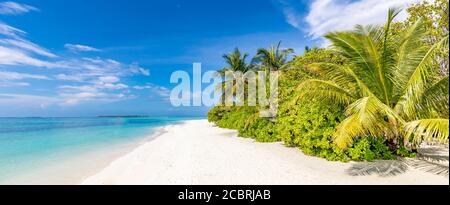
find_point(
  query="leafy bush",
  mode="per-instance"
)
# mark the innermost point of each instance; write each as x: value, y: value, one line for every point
x: 260, y: 129
x: 216, y: 113
x: 308, y: 124
x: 369, y: 149
x: 310, y: 127
x: 244, y: 119
x: 231, y: 117
x: 403, y: 152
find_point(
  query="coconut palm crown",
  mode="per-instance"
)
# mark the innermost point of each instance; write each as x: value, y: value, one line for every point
x: 236, y: 61
x: 274, y: 58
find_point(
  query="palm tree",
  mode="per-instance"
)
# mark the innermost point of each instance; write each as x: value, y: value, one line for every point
x: 389, y: 86
x: 237, y: 64
x: 236, y: 61
x: 308, y: 49
x: 274, y: 58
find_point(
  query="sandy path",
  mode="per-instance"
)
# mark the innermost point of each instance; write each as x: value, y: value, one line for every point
x: 197, y: 152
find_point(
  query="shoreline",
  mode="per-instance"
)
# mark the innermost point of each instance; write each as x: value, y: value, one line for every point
x: 122, y: 149
x: 61, y: 170
x: 197, y: 152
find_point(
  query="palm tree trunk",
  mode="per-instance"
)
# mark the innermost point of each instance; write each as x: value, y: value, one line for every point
x: 393, y: 144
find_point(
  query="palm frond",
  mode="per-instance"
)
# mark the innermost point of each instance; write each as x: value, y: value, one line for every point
x: 390, y: 83
x: 347, y: 131
x: 378, y: 56
x: 409, y: 54
x: 418, y: 81
x: 339, y: 74
x: 236, y: 61
x: 364, y: 120
x: 429, y: 130
x: 436, y: 98
x: 351, y: 46
x: 273, y: 58
x: 323, y: 90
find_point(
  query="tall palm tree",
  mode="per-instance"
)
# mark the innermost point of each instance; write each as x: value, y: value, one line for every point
x: 274, y: 58
x: 237, y: 64
x: 309, y: 49
x: 236, y: 61
x: 389, y: 86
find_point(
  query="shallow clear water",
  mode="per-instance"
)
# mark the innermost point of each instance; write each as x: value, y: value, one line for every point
x: 28, y: 145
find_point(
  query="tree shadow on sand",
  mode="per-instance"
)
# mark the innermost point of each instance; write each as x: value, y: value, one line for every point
x: 430, y: 159
x: 380, y: 167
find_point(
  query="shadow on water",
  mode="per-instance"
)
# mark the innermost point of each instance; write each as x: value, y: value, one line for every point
x: 430, y: 159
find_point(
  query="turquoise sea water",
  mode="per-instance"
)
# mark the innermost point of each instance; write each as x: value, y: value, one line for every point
x: 28, y: 145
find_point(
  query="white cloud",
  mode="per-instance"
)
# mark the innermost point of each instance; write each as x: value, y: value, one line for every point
x: 16, y: 51
x: 28, y: 46
x: 63, y: 99
x: 161, y: 91
x: 65, y: 77
x: 5, y: 75
x: 94, y: 87
x: 14, y: 84
x: 325, y: 16
x: 292, y: 16
x: 100, y: 78
x: 157, y: 90
x: 118, y: 86
x: 76, y: 98
x: 83, y: 88
x: 109, y: 79
x: 13, y: 8
x: 14, y: 56
x: 80, y: 48
x: 140, y: 87
x: 98, y: 90
x: 70, y: 99
x: 328, y: 15
x: 26, y: 100
x: 134, y: 68
x: 110, y: 82
x: 94, y: 69
x: 97, y: 79
x: 10, y: 31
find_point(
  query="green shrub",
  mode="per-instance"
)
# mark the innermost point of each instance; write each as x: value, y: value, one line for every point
x: 369, y: 149
x: 232, y: 117
x: 260, y: 129
x: 307, y: 125
x: 403, y: 152
x: 244, y: 119
x: 310, y: 126
x: 216, y: 113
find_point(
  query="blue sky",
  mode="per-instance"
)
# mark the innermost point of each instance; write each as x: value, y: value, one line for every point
x: 103, y: 57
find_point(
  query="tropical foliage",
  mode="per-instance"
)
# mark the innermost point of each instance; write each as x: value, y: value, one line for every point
x: 274, y: 58
x: 434, y: 15
x: 237, y: 66
x: 389, y: 86
x: 379, y: 91
x: 236, y: 61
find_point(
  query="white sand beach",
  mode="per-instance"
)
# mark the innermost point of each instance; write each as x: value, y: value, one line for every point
x: 197, y: 152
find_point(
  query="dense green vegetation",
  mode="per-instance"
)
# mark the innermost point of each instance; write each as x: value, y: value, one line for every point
x: 376, y: 93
